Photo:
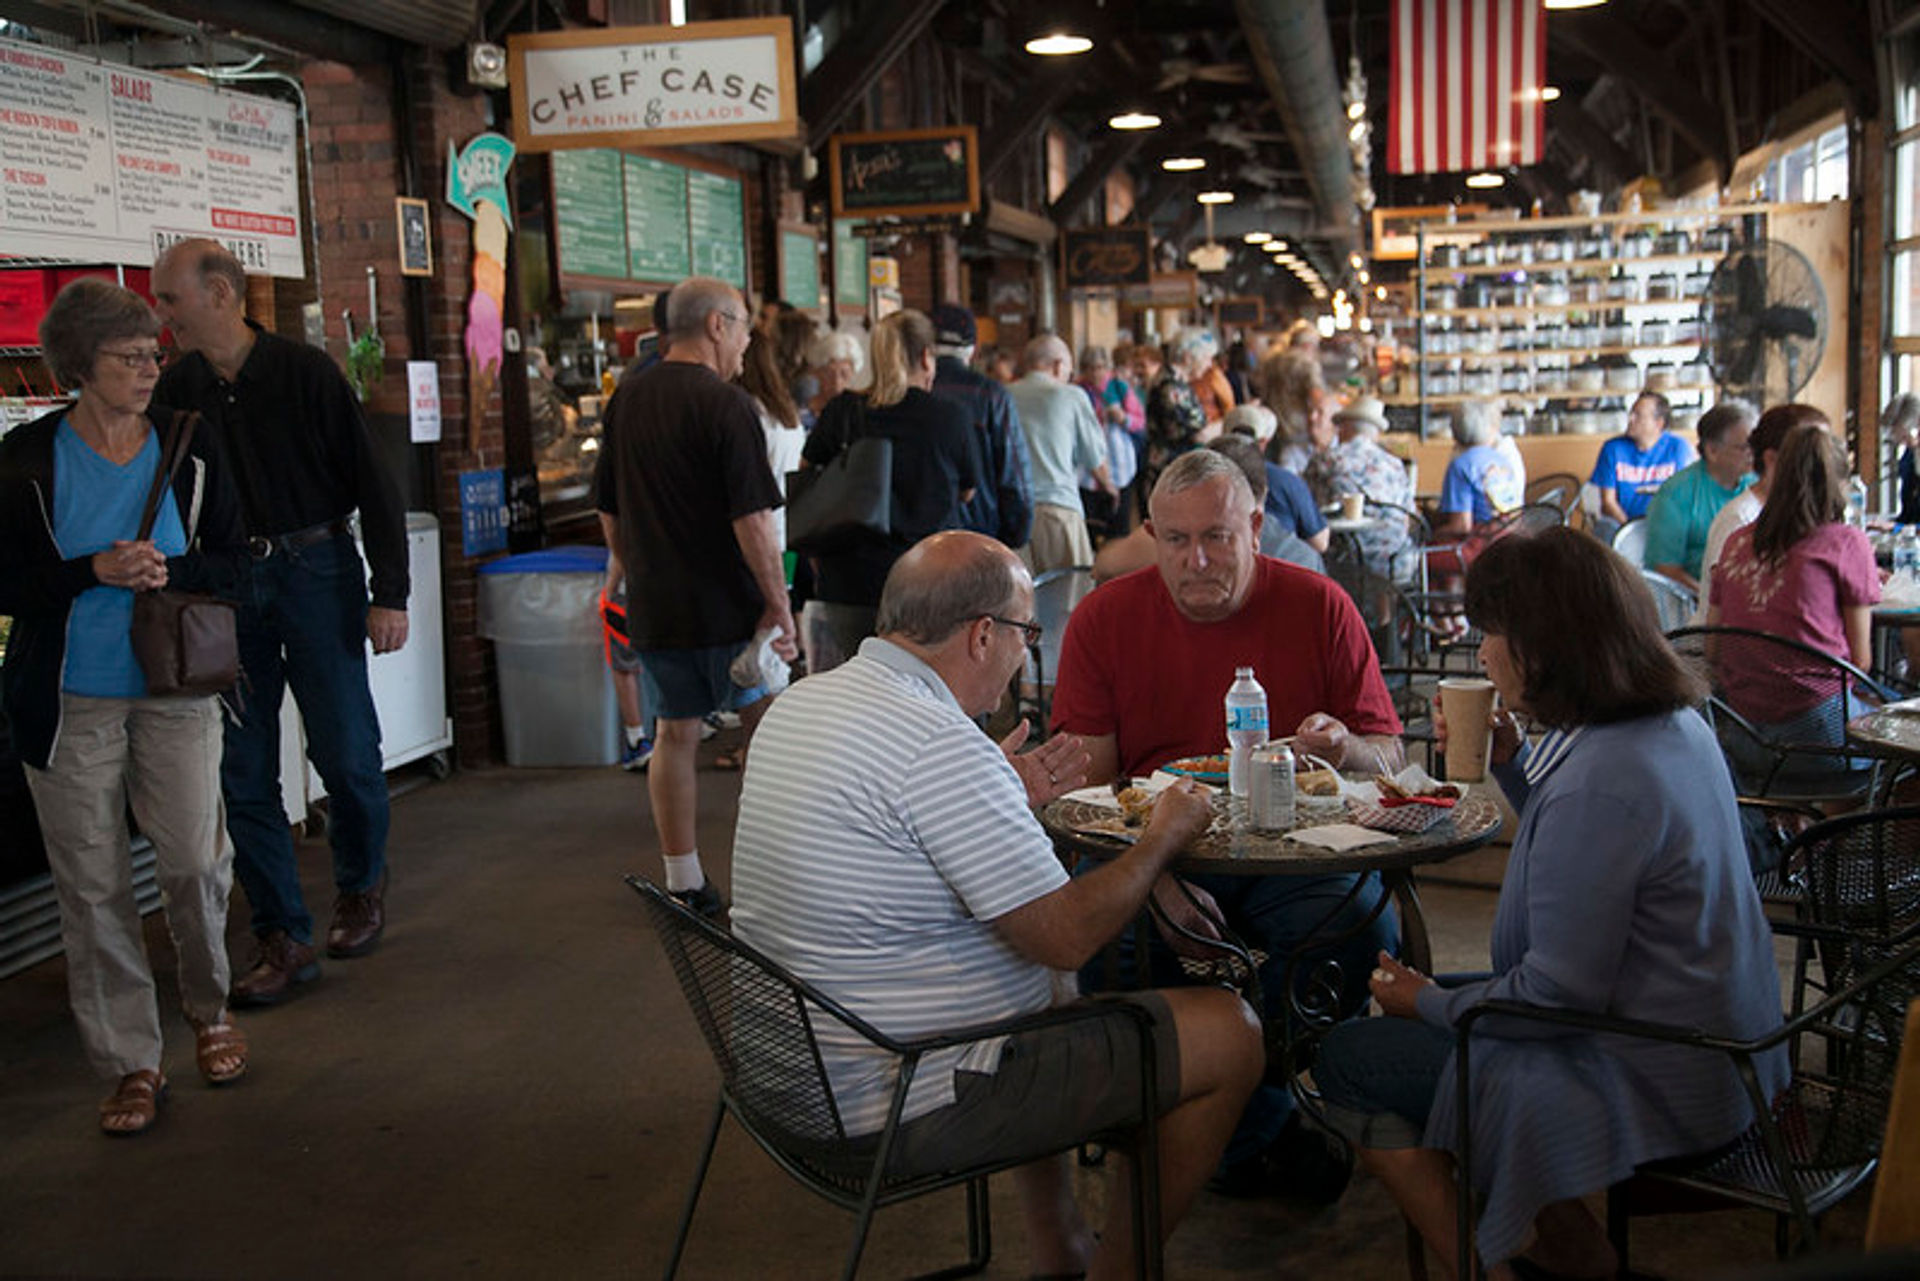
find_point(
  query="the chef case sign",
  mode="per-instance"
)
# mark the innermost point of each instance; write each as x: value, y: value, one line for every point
x: 664, y: 86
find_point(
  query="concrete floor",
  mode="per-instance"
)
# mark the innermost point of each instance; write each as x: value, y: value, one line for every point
x: 512, y: 1087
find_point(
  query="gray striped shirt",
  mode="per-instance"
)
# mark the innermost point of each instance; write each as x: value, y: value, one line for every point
x: 879, y: 833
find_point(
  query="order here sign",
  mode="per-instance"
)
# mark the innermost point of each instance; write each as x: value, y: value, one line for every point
x: 660, y: 86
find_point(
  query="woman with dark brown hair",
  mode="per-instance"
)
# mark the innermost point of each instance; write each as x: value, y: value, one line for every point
x: 1801, y: 572
x: 1627, y: 893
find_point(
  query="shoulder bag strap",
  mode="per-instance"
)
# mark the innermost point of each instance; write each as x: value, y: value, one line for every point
x: 173, y: 449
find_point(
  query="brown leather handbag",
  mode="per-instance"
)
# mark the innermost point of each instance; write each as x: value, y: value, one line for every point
x: 187, y: 643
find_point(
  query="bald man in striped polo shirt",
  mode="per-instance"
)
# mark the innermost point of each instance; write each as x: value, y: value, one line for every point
x: 887, y: 852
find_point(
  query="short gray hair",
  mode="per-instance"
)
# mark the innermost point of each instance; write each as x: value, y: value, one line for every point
x: 692, y: 301
x: 1197, y: 467
x: 84, y: 317
x: 836, y: 345
x: 1189, y: 343
x: 213, y: 261
x: 1094, y: 356
x: 928, y: 608
x: 1245, y: 455
x: 1474, y: 424
x: 1723, y: 418
x: 1045, y: 351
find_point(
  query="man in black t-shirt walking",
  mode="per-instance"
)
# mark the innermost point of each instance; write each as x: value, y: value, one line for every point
x: 299, y: 446
x: 693, y: 500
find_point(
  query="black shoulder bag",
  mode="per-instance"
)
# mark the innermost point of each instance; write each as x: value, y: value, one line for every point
x: 831, y: 506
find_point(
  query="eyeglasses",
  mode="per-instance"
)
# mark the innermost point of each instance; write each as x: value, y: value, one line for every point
x: 1032, y: 631
x: 137, y: 360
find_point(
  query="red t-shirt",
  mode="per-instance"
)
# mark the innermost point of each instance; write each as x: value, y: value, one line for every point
x: 1133, y: 666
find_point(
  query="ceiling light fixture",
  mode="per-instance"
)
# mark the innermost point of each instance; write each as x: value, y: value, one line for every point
x: 1354, y: 261
x: 1357, y: 130
x: 1215, y: 197
x: 1364, y: 278
x: 1486, y: 180
x: 1380, y: 292
x: 1134, y: 120
x: 1279, y: 244
x: 1357, y: 109
x: 1574, y: 4
x: 1181, y: 164
x: 1058, y: 44
x: 1549, y: 93
x: 1257, y: 237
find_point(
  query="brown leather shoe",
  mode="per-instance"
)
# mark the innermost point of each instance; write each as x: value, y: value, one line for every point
x: 358, y: 921
x: 280, y: 964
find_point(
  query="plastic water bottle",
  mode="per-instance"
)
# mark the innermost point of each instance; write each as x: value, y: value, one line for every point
x: 1857, y: 502
x: 1906, y: 555
x: 1246, y: 726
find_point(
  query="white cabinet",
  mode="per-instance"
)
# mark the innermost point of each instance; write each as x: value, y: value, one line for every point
x: 409, y: 687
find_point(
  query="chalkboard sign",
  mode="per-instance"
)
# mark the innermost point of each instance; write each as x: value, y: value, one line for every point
x: 908, y: 172
x: 1108, y: 256
x: 717, y: 221
x: 849, y: 265
x: 1242, y: 311
x: 800, y: 269
x: 589, y: 217
x: 658, y: 247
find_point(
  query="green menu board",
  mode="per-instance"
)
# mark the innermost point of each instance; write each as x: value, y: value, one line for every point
x: 849, y: 265
x: 589, y: 217
x: 658, y: 247
x: 800, y: 269
x: 717, y: 221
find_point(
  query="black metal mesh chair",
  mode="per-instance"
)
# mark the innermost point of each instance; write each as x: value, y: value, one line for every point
x: 1558, y: 489
x: 1803, y: 756
x: 1807, y: 1148
x: 760, y: 1024
x: 1859, y: 882
x: 1674, y: 602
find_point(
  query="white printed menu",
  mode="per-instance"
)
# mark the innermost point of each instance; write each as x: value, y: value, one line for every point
x: 105, y: 163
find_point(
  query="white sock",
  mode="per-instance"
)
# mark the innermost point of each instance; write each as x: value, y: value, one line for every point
x: 636, y: 735
x: 683, y: 872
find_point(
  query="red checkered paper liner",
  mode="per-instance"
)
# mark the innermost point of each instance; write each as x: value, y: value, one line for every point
x: 1411, y: 819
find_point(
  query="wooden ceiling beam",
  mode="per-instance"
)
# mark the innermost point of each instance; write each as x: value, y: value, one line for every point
x: 1018, y: 122
x: 1589, y: 137
x: 1634, y: 62
x: 1835, y: 38
x: 1118, y: 150
x: 857, y: 62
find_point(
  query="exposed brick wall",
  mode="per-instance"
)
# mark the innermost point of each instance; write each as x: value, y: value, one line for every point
x: 357, y: 172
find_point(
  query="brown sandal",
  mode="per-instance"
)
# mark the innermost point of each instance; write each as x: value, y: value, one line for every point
x: 221, y: 1051
x: 137, y: 1100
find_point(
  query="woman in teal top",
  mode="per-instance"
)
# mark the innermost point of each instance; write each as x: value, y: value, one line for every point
x: 73, y: 487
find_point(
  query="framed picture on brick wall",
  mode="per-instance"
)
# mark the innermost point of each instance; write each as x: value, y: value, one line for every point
x: 416, y: 240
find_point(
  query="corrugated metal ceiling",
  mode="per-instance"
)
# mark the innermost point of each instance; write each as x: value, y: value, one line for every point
x: 437, y: 24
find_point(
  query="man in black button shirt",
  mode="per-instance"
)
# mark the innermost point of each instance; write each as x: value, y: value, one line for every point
x: 299, y: 450
x: 685, y: 476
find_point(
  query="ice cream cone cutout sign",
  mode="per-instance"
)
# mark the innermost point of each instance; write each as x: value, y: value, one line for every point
x: 477, y: 187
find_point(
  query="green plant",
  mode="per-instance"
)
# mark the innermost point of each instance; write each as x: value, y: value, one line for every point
x: 366, y: 362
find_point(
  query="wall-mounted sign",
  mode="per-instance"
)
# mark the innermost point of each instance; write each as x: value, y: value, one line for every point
x: 415, y: 236
x: 1395, y: 238
x: 619, y: 216
x: 883, y: 273
x: 1246, y: 312
x: 423, y: 401
x: 1107, y: 256
x: 800, y: 268
x: 477, y: 187
x: 907, y: 172
x: 668, y: 86
x: 1167, y: 289
x: 849, y: 265
x: 105, y: 163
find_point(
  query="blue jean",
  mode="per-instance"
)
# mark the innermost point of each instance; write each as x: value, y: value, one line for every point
x: 1273, y: 914
x: 304, y: 626
x: 1377, y: 1078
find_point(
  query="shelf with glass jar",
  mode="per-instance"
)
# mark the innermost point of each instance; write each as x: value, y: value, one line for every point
x: 1584, y: 266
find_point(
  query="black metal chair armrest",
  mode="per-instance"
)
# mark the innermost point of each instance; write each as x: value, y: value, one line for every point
x: 1057, y: 1016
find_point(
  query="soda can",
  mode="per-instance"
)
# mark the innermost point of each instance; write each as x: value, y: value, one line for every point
x: 1270, y: 787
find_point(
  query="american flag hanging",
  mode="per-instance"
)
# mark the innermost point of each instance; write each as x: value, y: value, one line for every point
x: 1467, y: 76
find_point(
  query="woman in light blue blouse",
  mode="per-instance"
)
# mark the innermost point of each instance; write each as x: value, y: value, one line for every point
x: 73, y: 488
x: 1627, y: 893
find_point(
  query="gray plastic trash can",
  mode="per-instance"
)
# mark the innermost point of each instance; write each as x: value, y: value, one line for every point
x: 541, y: 610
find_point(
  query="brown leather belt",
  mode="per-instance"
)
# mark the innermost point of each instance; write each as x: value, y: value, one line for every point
x: 261, y: 548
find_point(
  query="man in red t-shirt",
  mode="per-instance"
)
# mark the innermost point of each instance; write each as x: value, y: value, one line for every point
x: 1144, y: 671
